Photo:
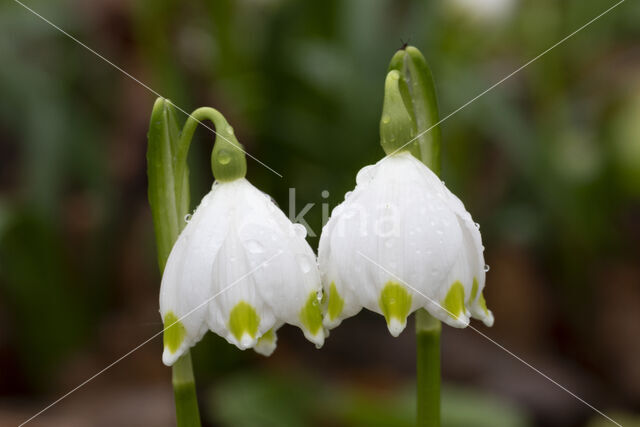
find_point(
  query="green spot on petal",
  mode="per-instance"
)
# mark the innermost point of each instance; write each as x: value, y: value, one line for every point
x: 243, y: 320
x: 395, y: 302
x: 454, y: 301
x: 336, y: 303
x: 311, y: 315
x: 474, y: 289
x: 174, y: 332
x: 483, y: 304
x: 267, y: 338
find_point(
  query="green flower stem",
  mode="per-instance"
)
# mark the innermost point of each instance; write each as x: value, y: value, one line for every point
x: 428, y: 369
x: 228, y: 160
x: 410, y: 113
x: 184, y: 392
x: 169, y: 200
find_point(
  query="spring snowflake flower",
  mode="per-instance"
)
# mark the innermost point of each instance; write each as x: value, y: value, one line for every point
x: 239, y: 268
x: 401, y: 241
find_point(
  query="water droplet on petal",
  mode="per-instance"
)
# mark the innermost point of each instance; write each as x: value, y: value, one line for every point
x: 224, y: 157
x: 230, y: 130
x: 477, y: 225
x: 187, y: 218
x: 319, y: 296
x: 487, y: 268
x: 255, y: 247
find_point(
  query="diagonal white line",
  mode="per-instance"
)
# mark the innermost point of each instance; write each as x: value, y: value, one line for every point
x: 140, y: 83
x: 507, y: 77
x: 495, y: 342
x: 130, y: 352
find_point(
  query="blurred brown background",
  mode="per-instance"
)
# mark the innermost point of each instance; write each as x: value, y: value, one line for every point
x: 548, y: 163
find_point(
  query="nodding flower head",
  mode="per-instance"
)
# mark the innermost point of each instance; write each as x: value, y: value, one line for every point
x: 401, y: 241
x: 239, y: 268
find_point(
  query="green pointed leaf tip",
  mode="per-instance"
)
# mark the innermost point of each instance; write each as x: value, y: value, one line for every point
x: 418, y: 94
x: 174, y: 332
x: 243, y: 319
x: 163, y: 137
x: 336, y: 303
x: 454, y: 301
x: 395, y: 303
x: 311, y: 314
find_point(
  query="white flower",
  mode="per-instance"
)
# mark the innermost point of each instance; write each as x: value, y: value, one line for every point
x: 483, y: 11
x: 241, y: 269
x: 401, y: 241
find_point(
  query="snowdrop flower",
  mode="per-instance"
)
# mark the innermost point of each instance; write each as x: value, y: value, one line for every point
x: 239, y: 268
x: 401, y: 240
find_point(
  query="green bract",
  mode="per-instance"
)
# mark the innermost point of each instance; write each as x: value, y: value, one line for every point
x: 410, y: 111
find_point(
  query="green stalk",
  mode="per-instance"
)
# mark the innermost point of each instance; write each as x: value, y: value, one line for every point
x: 428, y: 369
x: 184, y: 392
x: 410, y: 113
x: 169, y: 200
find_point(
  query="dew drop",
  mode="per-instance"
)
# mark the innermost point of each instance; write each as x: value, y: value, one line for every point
x: 477, y: 225
x: 230, y: 130
x: 347, y: 194
x: 224, y: 157
x: 255, y: 247
x: 487, y: 268
x: 319, y: 296
x: 187, y: 218
x: 386, y: 119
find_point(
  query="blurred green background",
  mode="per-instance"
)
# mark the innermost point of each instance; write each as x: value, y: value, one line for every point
x: 548, y: 163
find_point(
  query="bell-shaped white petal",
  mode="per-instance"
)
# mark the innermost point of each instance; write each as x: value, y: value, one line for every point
x: 241, y: 269
x: 401, y: 241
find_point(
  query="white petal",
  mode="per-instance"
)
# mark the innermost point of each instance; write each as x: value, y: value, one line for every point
x: 401, y: 235
x: 239, y: 254
x: 395, y: 227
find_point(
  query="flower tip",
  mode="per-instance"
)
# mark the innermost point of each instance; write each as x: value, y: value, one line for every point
x: 317, y: 338
x: 488, y: 318
x: 330, y: 323
x: 169, y: 358
x: 265, y: 348
x: 246, y: 341
x: 395, y: 326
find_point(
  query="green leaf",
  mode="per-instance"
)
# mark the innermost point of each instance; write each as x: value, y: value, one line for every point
x: 168, y: 214
x: 417, y: 89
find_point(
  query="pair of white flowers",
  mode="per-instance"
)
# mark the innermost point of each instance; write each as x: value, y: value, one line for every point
x: 399, y: 242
